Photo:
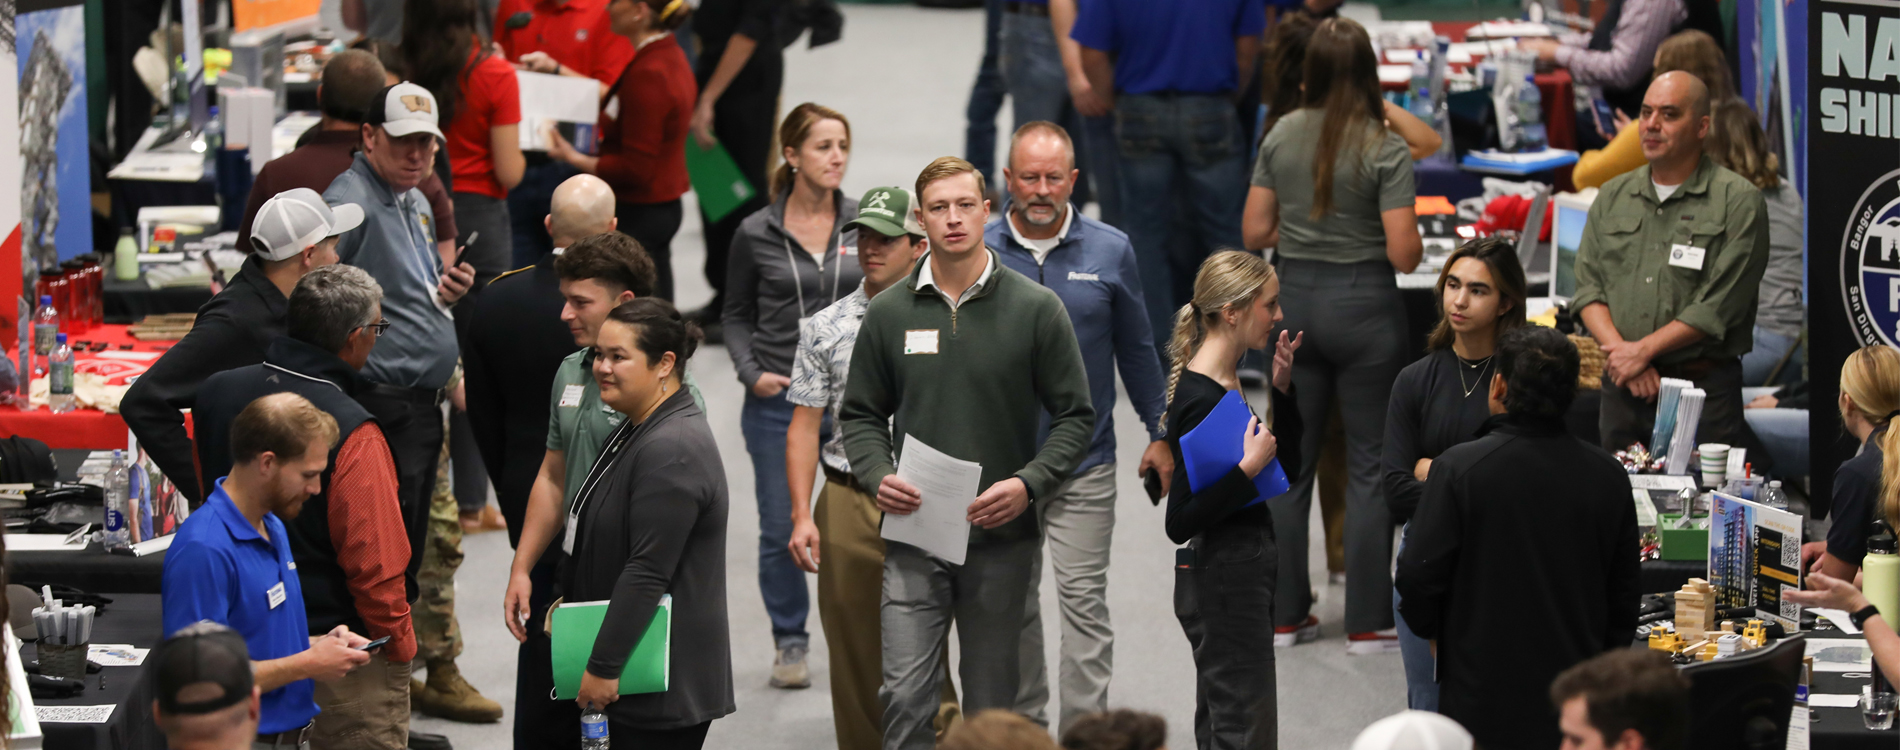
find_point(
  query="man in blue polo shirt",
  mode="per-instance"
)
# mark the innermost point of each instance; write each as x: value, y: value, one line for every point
x: 1171, y: 85
x: 231, y: 563
x: 1092, y: 268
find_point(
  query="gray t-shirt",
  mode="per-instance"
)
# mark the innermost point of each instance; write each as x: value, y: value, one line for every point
x: 1779, y: 308
x: 1364, y: 184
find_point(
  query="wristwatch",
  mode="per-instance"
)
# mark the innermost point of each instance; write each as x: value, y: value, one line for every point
x: 1860, y: 616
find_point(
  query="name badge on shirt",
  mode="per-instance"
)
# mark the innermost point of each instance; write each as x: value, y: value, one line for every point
x: 1686, y: 256
x: 571, y: 395
x: 276, y: 595
x: 567, y: 541
x: 612, y: 109
x: 920, y: 341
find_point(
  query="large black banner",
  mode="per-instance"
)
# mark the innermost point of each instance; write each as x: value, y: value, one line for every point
x: 1853, y: 203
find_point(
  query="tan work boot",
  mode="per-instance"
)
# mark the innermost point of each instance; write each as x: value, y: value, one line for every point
x: 448, y: 696
x: 415, y: 694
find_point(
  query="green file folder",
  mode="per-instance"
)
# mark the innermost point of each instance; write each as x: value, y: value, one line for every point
x: 716, y: 179
x: 574, y: 627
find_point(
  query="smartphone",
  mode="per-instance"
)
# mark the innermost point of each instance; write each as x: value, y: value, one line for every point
x: 373, y: 645
x: 472, y: 236
x: 1606, y: 118
x: 1151, y: 481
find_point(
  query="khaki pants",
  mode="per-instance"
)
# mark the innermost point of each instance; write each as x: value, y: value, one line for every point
x: 366, y: 710
x: 850, y: 592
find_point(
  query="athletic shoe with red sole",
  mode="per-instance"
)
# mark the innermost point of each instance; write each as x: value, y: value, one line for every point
x: 1377, y: 642
x: 1293, y: 635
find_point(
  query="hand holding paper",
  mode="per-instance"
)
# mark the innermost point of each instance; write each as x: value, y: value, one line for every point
x: 944, y: 487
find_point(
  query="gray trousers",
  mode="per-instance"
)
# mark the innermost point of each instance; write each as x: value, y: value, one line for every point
x: 921, y: 595
x: 1078, y: 522
x: 1354, y: 324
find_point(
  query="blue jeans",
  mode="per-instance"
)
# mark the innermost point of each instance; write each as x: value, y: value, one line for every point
x: 1421, y: 668
x: 1039, y: 87
x: 787, y: 602
x: 1784, y: 433
x: 528, y: 206
x: 1188, y: 146
x: 1768, y: 351
x: 986, y: 98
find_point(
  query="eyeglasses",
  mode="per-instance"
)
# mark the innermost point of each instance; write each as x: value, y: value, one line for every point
x: 377, y: 327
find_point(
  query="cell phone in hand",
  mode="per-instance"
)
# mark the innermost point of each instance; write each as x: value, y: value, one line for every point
x: 1151, y: 481
x: 372, y: 646
x: 463, y: 251
x: 1606, y: 118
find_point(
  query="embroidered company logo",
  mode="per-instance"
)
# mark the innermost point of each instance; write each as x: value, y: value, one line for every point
x: 418, y: 103
x: 1079, y: 276
x: 1870, y: 263
x: 876, y: 205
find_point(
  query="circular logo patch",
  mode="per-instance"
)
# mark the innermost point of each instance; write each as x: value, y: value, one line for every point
x: 1870, y: 263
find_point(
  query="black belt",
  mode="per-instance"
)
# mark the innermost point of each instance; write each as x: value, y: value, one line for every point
x: 1694, y: 369
x: 292, y: 738
x: 840, y: 477
x: 1027, y: 9
x: 426, y: 396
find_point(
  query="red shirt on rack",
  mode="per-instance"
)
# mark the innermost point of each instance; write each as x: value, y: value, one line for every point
x: 643, y: 124
x: 490, y: 97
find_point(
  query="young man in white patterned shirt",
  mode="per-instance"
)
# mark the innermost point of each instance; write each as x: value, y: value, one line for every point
x: 843, y: 535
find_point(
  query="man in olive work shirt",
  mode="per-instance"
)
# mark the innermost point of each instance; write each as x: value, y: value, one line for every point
x: 1667, y: 272
x: 964, y: 356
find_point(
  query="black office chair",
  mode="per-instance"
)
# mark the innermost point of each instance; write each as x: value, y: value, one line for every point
x: 1742, y: 702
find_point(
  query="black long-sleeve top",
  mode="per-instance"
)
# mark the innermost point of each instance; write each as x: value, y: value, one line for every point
x: 1430, y: 411
x: 231, y: 331
x: 1520, y: 562
x: 653, y: 522
x: 1225, y: 501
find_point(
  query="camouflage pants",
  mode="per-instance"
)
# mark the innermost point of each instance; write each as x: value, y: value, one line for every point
x: 438, y: 637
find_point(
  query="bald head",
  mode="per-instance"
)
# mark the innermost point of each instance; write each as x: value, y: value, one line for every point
x: 1684, y: 88
x: 581, y: 206
x: 1673, y: 123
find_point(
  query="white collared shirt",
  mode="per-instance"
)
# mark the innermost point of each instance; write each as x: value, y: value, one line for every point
x: 1041, y: 248
x: 927, y: 279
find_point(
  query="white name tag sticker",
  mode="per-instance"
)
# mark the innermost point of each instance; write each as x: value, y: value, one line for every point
x: 571, y: 395
x: 567, y: 541
x: 920, y: 341
x: 276, y: 595
x: 1686, y: 256
x: 293, y: 565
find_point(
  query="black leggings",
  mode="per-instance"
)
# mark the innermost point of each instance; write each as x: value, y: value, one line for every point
x: 743, y: 119
x: 653, y: 225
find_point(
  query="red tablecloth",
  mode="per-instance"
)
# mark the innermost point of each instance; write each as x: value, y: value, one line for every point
x: 85, y: 428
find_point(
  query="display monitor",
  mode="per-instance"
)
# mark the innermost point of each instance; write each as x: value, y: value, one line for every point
x: 1566, y: 234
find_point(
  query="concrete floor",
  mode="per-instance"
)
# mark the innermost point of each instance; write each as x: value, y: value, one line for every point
x: 903, y: 75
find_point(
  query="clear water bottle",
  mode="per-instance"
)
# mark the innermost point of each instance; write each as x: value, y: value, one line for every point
x: 593, y: 729
x: 1421, y: 104
x: 45, y: 326
x: 118, y: 503
x: 59, y: 377
x: 1528, y: 104
x: 1773, y: 496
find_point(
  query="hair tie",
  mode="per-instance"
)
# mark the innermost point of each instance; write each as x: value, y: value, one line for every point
x: 670, y: 7
x: 1892, y: 414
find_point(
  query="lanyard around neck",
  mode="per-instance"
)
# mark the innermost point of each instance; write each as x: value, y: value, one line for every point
x: 798, y: 282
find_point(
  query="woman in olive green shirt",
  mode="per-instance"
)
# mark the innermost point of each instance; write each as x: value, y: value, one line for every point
x: 1333, y: 193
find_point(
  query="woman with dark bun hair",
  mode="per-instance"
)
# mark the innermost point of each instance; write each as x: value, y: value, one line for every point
x: 650, y: 520
x: 643, y: 120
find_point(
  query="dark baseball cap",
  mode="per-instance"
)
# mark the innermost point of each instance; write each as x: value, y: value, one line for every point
x: 204, y: 667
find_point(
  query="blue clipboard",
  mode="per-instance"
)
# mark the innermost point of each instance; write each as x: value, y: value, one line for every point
x: 1213, y: 448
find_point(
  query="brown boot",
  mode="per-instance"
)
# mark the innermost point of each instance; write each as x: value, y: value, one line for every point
x: 448, y: 696
x: 415, y: 694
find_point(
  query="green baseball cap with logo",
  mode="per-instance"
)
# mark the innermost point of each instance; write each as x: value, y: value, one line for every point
x: 887, y: 211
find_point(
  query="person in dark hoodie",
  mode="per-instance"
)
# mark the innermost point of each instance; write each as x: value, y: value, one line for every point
x: 1524, y: 525
x: 349, y: 541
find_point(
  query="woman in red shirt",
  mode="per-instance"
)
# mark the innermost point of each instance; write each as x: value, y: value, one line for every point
x: 481, y: 111
x: 643, y: 123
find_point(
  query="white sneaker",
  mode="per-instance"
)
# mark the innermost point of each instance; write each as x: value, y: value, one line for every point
x: 1296, y: 634
x: 1378, y: 642
x: 1336, y: 579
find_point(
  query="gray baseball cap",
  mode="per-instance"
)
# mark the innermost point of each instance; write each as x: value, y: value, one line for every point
x: 295, y: 219
x: 887, y: 211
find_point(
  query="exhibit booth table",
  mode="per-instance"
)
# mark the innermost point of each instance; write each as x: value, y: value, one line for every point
x: 133, y: 619
x: 88, y: 429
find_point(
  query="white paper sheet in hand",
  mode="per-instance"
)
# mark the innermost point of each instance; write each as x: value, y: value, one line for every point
x: 941, y: 525
x: 548, y: 99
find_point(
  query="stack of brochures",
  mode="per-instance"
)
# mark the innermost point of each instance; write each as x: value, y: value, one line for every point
x: 1682, y: 443
x: 1667, y: 396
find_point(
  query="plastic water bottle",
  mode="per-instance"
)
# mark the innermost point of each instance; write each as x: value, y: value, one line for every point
x: 125, y: 257
x: 59, y: 377
x: 1421, y: 104
x: 1773, y: 496
x: 1528, y: 104
x: 45, y: 326
x: 118, y: 503
x: 594, y: 729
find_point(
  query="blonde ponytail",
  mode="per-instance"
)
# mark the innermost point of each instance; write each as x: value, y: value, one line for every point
x: 1228, y: 278
x: 1871, y: 379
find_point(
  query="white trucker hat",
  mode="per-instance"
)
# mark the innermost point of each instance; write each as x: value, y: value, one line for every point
x: 295, y: 219
x: 405, y: 109
x: 1414, y: 730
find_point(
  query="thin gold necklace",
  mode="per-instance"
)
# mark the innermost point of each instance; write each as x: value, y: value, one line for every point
x: 1480, y: 367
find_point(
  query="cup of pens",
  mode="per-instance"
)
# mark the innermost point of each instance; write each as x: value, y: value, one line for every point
x: 65, y: 636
